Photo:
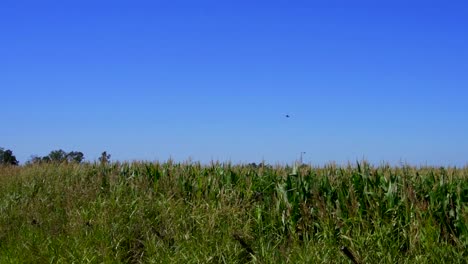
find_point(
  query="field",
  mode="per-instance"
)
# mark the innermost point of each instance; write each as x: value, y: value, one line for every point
x: 145, y: 212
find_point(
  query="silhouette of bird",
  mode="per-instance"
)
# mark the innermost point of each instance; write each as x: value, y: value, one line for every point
x: 287, y: 116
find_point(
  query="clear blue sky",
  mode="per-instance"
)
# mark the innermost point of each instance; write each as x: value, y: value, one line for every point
x: 146, y: 80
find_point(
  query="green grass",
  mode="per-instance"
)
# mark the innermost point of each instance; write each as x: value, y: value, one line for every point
x: 223, y: 213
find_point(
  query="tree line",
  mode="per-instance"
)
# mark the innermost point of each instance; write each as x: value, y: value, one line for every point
x: 55, y: 156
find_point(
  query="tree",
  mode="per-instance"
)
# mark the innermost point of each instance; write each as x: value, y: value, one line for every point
x: 75, y: 156
x: 34, y: 160
x: 7, y: 157
x: 105, y: 158
x: 58, y: 156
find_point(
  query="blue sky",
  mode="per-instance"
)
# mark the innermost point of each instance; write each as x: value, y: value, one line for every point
x: 149, y: 80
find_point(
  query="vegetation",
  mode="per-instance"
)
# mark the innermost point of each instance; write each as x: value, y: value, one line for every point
x: 7, y: 157
x: 59, y: 156
x: 223, y: 213
x: 105, y: 158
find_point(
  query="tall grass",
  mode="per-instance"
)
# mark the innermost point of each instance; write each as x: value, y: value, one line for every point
x: 222, y: 213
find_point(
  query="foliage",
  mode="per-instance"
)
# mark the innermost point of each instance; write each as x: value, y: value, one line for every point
x: 58, y: 156
x: 75, y: 156
x: 7, y: 157
x: 105, y: 158
x: 193, y: 213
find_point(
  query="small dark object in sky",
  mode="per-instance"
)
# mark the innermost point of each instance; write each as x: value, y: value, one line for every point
x: 287, y: 116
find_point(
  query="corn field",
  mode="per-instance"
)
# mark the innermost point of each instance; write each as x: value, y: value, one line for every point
x: 144, y: 212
